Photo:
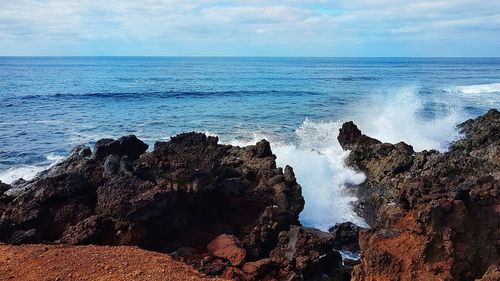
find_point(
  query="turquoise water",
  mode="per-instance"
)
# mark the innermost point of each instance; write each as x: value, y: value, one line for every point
x: 50, y: 104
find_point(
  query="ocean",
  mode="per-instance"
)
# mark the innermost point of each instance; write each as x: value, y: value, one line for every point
x: 50, y: 104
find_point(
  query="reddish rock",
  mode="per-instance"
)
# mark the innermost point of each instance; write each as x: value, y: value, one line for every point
x: 234, y: 273
x: 433, y: 216
x: 258, y: 268
x: 228, y: 247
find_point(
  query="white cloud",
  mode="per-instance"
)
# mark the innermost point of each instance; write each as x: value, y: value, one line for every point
x: 236, y: 25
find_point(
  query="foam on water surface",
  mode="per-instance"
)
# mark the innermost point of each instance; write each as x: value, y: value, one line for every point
x: 28, y: 172
x: 480, y: 88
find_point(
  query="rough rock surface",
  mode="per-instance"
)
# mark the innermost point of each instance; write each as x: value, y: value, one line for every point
x: 434, y: 216
x: 345, y: 236
x: 177, y: 199
x: 228, y: 247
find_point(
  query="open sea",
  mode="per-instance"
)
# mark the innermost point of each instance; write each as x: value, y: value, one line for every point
x: 50, y: 104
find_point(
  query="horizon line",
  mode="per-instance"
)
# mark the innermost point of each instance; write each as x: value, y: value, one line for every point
x: 242, y: 56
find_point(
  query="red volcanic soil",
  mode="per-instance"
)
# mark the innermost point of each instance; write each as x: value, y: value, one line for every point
x: 48, y: 262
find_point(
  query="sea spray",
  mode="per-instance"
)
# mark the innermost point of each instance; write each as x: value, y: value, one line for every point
x: 318, y: 163
x: 404, y: 114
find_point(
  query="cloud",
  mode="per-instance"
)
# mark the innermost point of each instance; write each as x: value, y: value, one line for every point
x: 221, y: 27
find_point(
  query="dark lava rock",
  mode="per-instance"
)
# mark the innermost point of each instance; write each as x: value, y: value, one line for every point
x: 182, y: 195
x: 307, y: 251
x: 3, y: 187
x: 345, y: 236
x: 434, y: 216
x: 350, y: 137
x: 127, y: 145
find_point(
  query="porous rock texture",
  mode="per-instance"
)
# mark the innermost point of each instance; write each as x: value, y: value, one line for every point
x: 434, y: 216
x: 223, y: 209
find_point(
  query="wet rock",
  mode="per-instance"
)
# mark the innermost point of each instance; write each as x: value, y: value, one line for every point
x: 350, y: 137
x: 228, y: 247
x: 433, y: 215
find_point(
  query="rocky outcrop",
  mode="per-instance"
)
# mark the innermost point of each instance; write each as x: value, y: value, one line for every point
x: 223, y: 209
x: 434, y: 216
x: 345, y: 236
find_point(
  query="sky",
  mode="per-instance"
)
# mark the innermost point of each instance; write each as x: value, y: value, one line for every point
x: 250, y: 28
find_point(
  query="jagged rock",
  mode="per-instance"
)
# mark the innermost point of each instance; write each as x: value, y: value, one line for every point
x: 3, y: 187
x: 345, y: 236
x: 307, y: 252
x: 81, y: 150
x: 182, y: 195
x: 228, y: 247
x: 127, y: 145
x: 350, y: 137
x: 434, y: 216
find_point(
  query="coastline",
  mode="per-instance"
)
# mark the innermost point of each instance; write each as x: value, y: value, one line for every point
x: 428, y: 203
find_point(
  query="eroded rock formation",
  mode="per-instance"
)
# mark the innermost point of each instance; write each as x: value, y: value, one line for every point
x: 223, y: 209
x: 434, y: 216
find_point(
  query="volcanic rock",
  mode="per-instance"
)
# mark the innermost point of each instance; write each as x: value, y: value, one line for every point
x: 434, y: 216
x: 307, y: 251
x: 188, y: 193
x: 345, y: 236
x: 228, y: 247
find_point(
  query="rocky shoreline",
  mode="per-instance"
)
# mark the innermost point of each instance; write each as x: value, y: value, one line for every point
x: 433, y: 216
x: 229, y: 211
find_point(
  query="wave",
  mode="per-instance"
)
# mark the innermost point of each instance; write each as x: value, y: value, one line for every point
x: 158, y: 94
x: 318, y: 162
x: 478, y: 96
x: 424, y: 121
x: 28, y: 172
x: 480, y: 88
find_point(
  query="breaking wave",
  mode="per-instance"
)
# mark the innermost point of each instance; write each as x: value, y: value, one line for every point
x: 28, y: 172
x: 480, y: 88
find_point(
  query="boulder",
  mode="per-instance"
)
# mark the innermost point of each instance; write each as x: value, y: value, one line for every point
x: 228, y: 247
x: 306, y: 252
x: 345, y: 236
x: 126, y: 145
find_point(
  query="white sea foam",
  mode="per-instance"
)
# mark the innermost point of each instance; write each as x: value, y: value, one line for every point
x: 318, y: 162
x: 28, y: 172
x: 480, y: 88
x: 481, y: 95
x: 397, y: 116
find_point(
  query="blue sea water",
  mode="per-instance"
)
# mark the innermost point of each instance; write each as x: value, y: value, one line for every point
x: 50, y: 104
